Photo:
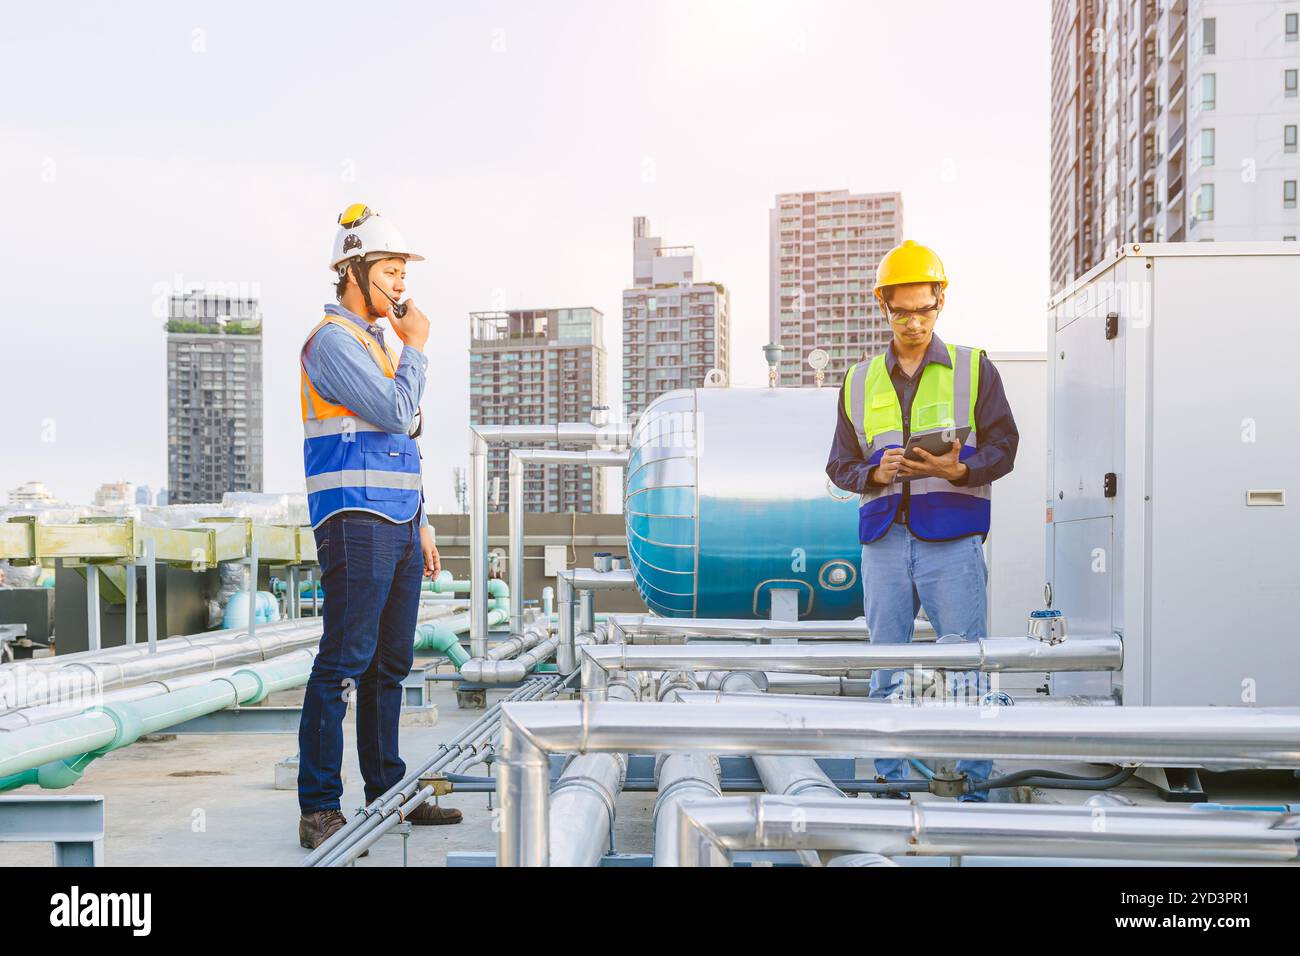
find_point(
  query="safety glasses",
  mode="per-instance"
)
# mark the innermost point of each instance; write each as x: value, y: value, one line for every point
x: 903, y: 316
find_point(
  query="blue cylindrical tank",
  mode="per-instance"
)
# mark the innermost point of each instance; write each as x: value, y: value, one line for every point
x: 726, y: 498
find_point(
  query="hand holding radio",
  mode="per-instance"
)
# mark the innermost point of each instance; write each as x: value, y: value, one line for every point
x: 411, y: 325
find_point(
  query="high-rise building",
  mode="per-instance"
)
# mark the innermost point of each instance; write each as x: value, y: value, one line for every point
x: 676, y: 326
x: 1171, y: 122
x: 214, y: 396
x: 533, y: 367
x: 143, y: 495
x: 825, y: 247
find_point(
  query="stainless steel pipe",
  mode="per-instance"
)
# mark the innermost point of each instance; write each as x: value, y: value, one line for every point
x: 679, y: 778
x: 853, y: 660
x: 615, y: 435
x: 519, y: 459
x: 1229, y: 737
x: 651, y: 629
x: 896, y: 828
x: 569, y: 584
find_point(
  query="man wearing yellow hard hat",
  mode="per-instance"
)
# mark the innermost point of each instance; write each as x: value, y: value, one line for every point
x: 922, y: 432
x: 361, y: 417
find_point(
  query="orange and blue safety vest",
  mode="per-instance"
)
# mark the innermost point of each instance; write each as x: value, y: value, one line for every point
x: 351, y: 464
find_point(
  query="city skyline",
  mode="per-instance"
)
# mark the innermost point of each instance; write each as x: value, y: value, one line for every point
x: 235, y: 176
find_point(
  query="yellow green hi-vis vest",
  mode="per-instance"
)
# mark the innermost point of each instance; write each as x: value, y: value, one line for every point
x: 945, y: 400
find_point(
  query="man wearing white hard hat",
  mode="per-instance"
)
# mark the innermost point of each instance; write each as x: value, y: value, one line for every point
x: 361, y: 417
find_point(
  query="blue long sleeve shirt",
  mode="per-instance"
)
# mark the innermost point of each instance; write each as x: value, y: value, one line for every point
x: 995, y: 429
x: 345, y: 374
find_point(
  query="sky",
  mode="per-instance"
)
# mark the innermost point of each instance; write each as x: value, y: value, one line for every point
x: 148, y: 146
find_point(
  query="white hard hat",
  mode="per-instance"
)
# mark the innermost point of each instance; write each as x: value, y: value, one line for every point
x: 364, y: 234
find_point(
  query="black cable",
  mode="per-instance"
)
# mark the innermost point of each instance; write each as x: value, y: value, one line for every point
x: 1055, y: 779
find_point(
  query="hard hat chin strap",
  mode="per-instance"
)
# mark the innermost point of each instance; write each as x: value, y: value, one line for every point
x: 361, y: 272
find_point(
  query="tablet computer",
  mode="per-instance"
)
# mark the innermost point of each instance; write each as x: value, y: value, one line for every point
x: 936, y: 443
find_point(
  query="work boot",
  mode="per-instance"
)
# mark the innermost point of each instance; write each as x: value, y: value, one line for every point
x: 315, y: 828
x: 432, y: 815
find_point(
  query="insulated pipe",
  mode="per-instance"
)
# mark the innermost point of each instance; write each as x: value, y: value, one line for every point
x: 853, y: 660
x: 897, y: 828
x: 696, y: 696
x: 45, y: 747
x: 795, y: 777
x: 650, y: 629
x: 566, y: 656
x: 29, y: 716
x: 615, y: 434
x: 486, y: 670
x: 515, y: 517
x: 478, y: 551
x: 519, y: 458
x: 861, y: 859
x: 584, y: 800
x: 786, y: 776
x: 818, y: 684
x: 578, y: 580
x: 679, y: 777
x: 443, y: 636
x: 86, y: 679
x: 1229, y: 737
x: 586, y: 613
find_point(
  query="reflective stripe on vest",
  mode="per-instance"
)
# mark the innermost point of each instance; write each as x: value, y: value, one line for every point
x: 945, y: 399
x: 351, y: 464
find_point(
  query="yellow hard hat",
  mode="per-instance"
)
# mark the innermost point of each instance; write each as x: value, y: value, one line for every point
x: 909, y: 262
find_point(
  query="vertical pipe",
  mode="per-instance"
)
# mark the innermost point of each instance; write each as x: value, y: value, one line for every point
x: 565, y: 659
x: 586, y: 612
x: 524, y: 790
x: 130, y: 603
x: 478, y: 538
x: 515, y: 508
x: 92, y: 606
x: 252, y: 584
x: 150, y: 597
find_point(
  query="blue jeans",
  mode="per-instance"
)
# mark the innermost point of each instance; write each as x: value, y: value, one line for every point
x: 902, y: 574
x: 370, y: 571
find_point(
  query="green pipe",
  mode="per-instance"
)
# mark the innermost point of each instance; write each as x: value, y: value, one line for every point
x: 442, y: 636
x: 437, y: 637
x: 55, y: 754
x: 444, y: 584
